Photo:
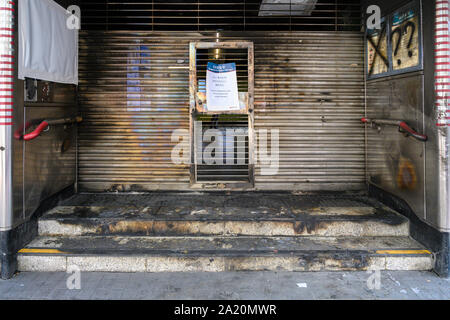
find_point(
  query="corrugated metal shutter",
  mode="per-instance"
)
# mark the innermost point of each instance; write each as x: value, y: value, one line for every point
x: 134, y: 91
x: 311, y: 87
x: 132, y: 102
x: 230, y: 15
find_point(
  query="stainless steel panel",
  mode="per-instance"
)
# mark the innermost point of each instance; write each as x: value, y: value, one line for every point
x: 397, y: 163
x: 437, y: 163
x: 134, y: 91
x: 5, y: 178
x: 13, y: 185
x: 413, y: 98
x: 437, y: 175
x: 50, y: 159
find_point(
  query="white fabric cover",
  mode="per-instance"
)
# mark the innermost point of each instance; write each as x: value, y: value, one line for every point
x: 48, y: 49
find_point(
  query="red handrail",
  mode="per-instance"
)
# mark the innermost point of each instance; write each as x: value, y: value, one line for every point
x: 401, y: 124
x: 37, y: 132
x: 18, y: 134
x: 412, y: 132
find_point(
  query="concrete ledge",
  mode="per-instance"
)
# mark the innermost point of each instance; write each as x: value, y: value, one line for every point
x: 222, y: 264
x: 108, y: 263
x: 42, y: 263
x: 328, y: 228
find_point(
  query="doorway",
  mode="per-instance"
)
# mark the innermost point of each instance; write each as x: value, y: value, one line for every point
x: 222, y: 141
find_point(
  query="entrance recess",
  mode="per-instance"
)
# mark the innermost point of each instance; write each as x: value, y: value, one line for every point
x: 222, y: 142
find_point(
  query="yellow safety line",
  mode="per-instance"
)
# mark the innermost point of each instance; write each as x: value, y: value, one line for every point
x: 56, y: 251
x: 26, y: 250
x: 403, y: 252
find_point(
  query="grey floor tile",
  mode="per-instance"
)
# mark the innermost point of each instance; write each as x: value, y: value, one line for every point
x: 227, y: 286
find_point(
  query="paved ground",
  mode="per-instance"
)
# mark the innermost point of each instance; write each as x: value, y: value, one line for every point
x: 228, y: 286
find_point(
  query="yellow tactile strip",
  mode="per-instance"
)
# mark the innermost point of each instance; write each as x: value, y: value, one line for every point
x: 403, y: 252
x: 56, y: 251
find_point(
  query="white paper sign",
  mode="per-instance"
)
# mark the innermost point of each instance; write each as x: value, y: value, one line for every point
x: 221, y: 87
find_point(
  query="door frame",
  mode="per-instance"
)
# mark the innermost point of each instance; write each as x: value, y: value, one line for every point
x: 196, y: 109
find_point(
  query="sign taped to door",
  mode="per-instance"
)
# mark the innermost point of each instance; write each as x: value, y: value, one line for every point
x: 221, y: 87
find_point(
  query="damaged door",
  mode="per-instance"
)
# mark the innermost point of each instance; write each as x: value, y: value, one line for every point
x: 222, y: 140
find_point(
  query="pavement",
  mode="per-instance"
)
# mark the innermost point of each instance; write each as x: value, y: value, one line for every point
x: 397, y: 285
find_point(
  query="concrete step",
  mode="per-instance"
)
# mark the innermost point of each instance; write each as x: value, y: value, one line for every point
x: 213, y: 254
x: 338, y: 218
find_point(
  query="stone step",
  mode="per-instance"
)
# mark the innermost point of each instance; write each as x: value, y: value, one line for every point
x: 214, y: 254
x: 339, y: 219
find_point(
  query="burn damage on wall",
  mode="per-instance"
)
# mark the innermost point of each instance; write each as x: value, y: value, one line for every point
x: 230, y: 15
x: 401, y: 172
x: 309, y: 81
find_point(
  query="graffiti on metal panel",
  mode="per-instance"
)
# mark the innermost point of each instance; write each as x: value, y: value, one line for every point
x: 405, y: 40
x: 377, y: 51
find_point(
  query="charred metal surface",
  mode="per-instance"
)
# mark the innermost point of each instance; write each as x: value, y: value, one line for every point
x: 310, y: 86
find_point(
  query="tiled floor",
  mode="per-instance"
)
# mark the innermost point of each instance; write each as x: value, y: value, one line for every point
x: 227, y: 286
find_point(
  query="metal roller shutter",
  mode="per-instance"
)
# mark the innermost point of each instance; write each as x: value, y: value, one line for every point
x: 311, y: 88
x: 134, y: 91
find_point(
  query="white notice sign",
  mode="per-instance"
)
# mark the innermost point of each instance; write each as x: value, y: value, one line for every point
x: 221, y: 87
